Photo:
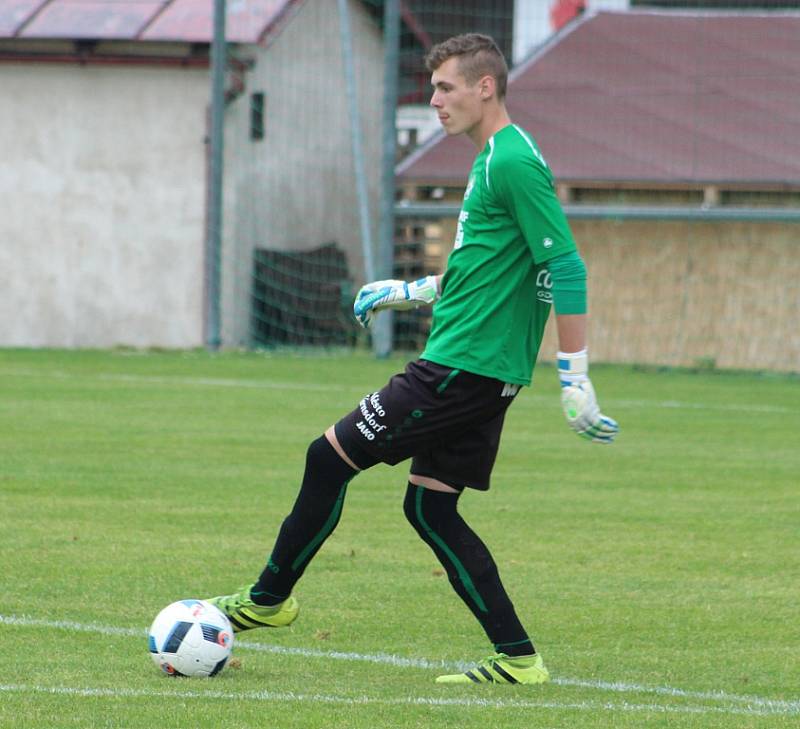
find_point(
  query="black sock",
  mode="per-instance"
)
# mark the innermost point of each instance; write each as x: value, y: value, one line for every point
x: 314, y: 516
x: 469, y: 565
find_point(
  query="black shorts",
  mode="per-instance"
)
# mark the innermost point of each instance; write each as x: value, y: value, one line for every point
x: 449, y: 421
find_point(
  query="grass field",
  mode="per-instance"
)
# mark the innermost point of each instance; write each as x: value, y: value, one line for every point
x: 659, y: 577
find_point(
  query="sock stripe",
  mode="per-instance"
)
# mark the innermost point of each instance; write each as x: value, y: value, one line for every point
x: 463, y: 575
x: 501, y: 647
x: 323, y: 533
x: 515, y: 642
x: 278, y: 599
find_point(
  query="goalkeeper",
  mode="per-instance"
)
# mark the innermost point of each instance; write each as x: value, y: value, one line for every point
x: 513, y: 258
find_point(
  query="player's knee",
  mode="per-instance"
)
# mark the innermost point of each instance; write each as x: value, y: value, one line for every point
x: 409, y: 508
x: 319, y: 451
x: 426, y: 507
x: 323, y: 460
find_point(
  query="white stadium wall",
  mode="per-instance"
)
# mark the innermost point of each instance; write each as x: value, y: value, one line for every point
x: 102, y: 178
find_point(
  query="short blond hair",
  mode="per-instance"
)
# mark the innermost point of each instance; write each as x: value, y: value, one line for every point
x: 478, y: 56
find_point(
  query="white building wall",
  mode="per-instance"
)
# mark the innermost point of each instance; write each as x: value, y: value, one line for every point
x: 102, y: 182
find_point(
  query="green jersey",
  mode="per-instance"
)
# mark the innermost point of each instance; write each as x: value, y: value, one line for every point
x: 496, y: 289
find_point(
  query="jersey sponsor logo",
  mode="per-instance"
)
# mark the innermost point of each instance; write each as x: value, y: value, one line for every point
x: 544, y: 284
x: 463, y: 216
x: 370, y: 425
x: 547, y: 242
x: 470, y: 185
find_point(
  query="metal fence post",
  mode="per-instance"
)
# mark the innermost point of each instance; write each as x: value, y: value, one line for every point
x: 216, y: 141
x: 382, y: 335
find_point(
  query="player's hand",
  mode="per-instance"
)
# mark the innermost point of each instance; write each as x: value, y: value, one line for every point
x: 392, y: 294
x: 579, y: 401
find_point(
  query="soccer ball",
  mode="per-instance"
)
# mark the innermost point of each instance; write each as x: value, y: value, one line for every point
x: 191, y: 638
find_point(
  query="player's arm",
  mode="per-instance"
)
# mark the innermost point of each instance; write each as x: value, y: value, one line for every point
x: 568, y: 275
x: 393, y: 294
x: 524, y: 184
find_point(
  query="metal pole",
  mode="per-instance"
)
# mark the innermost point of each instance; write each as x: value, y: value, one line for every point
x: 216, y: 142
x: 625, y: 212
x: 382, y: 334
x: 355, y: 139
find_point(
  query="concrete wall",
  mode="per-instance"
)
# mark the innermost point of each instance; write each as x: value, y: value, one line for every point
x: 102, y: 182
x: 296, y: 188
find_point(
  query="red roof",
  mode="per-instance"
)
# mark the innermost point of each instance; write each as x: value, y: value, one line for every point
x: 654, y: 97
x: 161, y: 20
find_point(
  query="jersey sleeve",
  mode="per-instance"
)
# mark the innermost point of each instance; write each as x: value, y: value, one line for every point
x: 524, y: 187
x: 568, y: 275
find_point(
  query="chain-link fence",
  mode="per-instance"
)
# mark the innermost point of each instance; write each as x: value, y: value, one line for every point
x: 672, y: 130
x: 672, y: 133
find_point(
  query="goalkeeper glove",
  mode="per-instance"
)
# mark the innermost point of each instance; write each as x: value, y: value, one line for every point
x: 579, y: 402
x: 392, y: 294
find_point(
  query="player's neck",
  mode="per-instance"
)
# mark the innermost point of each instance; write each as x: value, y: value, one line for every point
x: 492, y: 122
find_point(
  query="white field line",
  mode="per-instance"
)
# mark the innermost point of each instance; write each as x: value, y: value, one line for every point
x: 431, y: 701
x: 753, y: 703
x: 175, y: 381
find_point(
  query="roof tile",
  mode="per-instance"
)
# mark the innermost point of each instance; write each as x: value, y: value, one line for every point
x: 154, y: 20
x: 655, y: 97
x: 13, y: 13
x: 192, y: 20
x: 85, y: 19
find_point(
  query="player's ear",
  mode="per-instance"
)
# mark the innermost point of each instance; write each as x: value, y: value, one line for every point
x: 487, y: 87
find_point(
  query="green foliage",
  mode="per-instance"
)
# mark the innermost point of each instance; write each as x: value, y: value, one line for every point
x: 658, y: 576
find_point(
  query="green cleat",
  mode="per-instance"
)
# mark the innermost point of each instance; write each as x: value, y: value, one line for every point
x: 244, y: 614
x: 499, y: 668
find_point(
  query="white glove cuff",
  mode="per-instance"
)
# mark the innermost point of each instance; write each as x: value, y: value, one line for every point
x: 425, y: 290
x: 434, y: 284
x: 573, y: 367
